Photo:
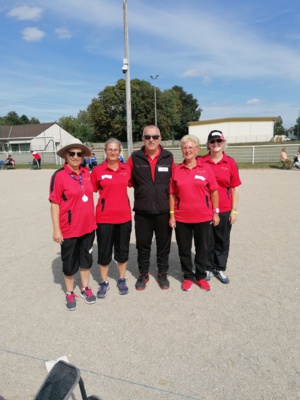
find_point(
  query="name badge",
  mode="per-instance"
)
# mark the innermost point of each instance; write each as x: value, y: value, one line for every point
x: 200, y: 177
x: 106, y: 177
x: 163, y: 169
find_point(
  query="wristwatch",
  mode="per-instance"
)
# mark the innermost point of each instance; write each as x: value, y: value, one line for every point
x: 216, y: 210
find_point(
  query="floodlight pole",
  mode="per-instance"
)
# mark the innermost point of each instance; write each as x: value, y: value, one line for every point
x: 126, y: 71
x: 155, y: 108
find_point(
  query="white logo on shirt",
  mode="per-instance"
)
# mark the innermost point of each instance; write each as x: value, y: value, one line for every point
x: 106, y: 177
x: 200, y: 177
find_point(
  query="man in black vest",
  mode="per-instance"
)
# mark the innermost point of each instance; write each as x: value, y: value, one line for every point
x: 151, y: 172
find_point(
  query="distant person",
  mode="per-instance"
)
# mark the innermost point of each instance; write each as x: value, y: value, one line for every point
x: 284, y: 158
x: 151, y: 173
x: 73, y: 219
x: 9, y: 162
x: 113, y: 215
x: 36, y: 159
x: 228, y: 179
x: 297, y: 159
x: 93, y: 162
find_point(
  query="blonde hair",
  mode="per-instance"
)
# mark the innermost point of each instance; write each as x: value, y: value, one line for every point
x: 190, y: 138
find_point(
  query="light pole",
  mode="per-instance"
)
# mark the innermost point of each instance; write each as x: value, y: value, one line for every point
x: 126, y: 71
x: 155, y: 111
x: 298, y: 121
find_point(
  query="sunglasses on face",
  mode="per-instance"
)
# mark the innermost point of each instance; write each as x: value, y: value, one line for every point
x: 73, y: 153
x: 148, y: 137
x: 215, y: 141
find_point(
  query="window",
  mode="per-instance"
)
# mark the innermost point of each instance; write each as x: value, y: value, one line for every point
x: 24, y: 146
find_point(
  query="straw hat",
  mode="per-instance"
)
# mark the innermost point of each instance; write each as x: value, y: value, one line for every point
x: 74, y: 143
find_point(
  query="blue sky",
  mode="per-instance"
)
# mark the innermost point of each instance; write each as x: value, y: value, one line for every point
x: 237, y: 58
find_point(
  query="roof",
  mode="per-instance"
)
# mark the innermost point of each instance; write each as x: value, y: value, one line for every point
x: 240, y: 119
x: 23, y: 131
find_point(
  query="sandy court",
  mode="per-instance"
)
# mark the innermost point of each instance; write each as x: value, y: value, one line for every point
x: 237, y: 342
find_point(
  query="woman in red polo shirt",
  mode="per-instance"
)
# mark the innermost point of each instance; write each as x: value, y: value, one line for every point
x: 113, y: 215
x: 228, y: 179
x: 193, y: 208
x: 73, y: 219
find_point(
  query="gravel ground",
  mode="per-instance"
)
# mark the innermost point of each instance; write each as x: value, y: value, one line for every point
x: 238, y: 341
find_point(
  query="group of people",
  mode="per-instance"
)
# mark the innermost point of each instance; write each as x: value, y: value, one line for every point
x: 287, y: 162
x: 197, y: 198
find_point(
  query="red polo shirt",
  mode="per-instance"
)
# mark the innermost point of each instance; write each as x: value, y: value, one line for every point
x: 192, y: 188
x: 227, y: 175
x: 113, y: 204
x: 74, y: 195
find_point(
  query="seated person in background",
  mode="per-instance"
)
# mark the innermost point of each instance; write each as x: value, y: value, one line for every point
x: 9, y: 162
x: 36, y: 159
x: 297, y: 159
x: 284, y: 158
x: 93, y: 162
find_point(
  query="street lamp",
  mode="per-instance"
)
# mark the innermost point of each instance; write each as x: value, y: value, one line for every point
x: 126, y: 71
x: 155, y: 112
x: 298, y: 121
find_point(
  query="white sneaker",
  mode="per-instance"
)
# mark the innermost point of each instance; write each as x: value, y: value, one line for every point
x: 209, y: 274
x: 221, y: 276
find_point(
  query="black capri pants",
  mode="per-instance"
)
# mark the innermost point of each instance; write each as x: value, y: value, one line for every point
x: 113, y: 236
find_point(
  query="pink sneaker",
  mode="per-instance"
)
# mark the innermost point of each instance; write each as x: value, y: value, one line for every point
x: 186, y: 285
x: 203, y: 284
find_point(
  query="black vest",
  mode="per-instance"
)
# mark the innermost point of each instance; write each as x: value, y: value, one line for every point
x: 151, y: 197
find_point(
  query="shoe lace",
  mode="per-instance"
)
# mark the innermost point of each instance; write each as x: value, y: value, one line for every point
x: 71, y: 297
x: 88, y: 291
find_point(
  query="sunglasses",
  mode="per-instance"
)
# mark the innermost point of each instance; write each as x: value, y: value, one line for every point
x: 215, y: 140
x: 154, y: 137
x: 73, y: 153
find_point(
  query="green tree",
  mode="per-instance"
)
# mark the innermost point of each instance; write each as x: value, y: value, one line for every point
x: 79, y: 126
x: 34, y: 120
x: 279, y: 128
x: 12, y: 118
x: 189, y: 111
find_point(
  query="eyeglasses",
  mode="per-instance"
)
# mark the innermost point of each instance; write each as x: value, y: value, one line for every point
x: 154, y: 137
x: 112, y: 150
x: 78, y: 153
x: 215, y: 140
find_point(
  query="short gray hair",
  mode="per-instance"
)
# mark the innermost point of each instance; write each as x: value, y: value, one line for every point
x: 113, y: 140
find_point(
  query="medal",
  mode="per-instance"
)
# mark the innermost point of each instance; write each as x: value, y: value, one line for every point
x: 84, y: 198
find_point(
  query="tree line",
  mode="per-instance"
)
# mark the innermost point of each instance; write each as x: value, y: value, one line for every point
x: 105, y: 116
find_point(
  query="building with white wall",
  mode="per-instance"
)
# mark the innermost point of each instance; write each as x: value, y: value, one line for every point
x: 236, y: 130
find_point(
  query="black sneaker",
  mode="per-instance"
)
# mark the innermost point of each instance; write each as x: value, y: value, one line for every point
x: 71, y: 301
x: 87, y: 294
x: 141, y: 282
x: 163, y: 280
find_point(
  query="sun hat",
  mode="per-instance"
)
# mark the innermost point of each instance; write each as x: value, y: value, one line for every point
x: 74, y: 143
x: 215, y: 135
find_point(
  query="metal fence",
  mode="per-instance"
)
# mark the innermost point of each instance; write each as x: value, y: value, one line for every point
x: 242, y: 154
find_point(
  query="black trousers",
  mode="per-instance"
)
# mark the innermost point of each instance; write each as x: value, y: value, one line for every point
x: 184, y: 237
x: 219, y: 244
x: 145, y: 226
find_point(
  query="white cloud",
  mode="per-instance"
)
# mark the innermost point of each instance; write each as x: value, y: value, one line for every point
x: 63, y: 33
x: 25, y: 13
x: 253, y: 102
x: 32, y: 34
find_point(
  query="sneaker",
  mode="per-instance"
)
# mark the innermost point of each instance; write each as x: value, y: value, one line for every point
x: 102, y: 292
x: 71, y: 301
x: 209, y: 274
x: 186, y: 285
x: 141, y: 282
x: 87, y: 294
x: 163, y: 280
x: 203, y: 284
x: 123, y: 288
x: 222, y: 277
